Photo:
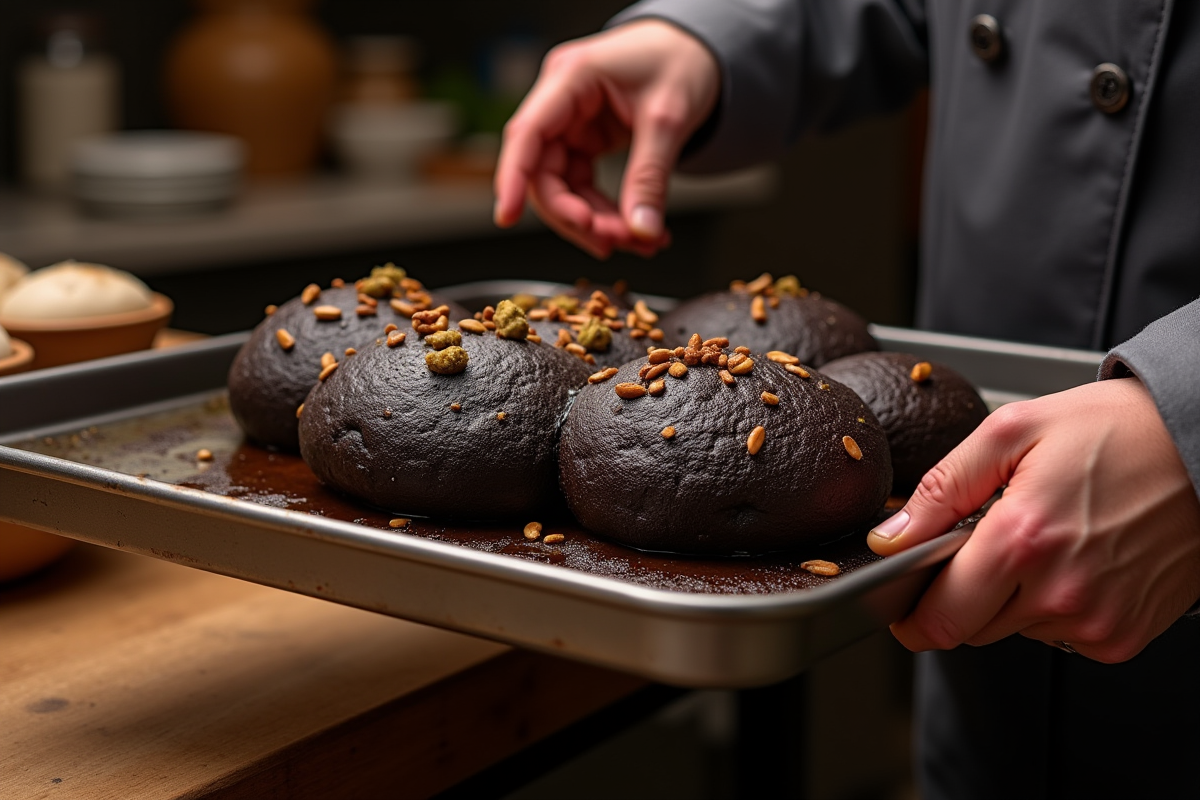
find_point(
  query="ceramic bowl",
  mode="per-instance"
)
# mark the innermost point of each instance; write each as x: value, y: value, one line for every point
x: 65, y: 341
x: 24, y: 550
x: 19, y: 360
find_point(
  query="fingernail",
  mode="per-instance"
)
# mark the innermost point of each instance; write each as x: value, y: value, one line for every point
x: 892, y: 526
x: 646, y: 222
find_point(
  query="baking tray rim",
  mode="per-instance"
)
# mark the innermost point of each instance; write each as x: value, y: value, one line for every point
x: 492, y: 566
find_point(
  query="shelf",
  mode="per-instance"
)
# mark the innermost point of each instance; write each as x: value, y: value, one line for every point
x: 309, y: 218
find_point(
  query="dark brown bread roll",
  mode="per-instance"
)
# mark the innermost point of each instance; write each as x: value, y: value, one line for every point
x: 275, y: 369
x: 676, y: 452
x: 926, y: 408
x: 467, y: 431
x: 780, y: 315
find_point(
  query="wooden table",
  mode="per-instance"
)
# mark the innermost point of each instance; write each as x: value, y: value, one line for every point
x: 127, y: 677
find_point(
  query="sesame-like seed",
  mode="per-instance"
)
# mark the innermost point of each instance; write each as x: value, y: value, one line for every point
x: 327, y: 359
x: 488, y: 313
x: 399, y: 522
x: 327, y: 313
x: 366, y: 310
x: 576, y: 349
x: 658, y: 355
x: 743, y: 368
x: 554, y: 538
x: 668, y: 432
x: 770, y: 399
x: 204, y: 454
x: 299, y: 410
x: 644, y: 370
x: 367, y: 300
x: 630, y: 391
x: 678, y: 369
x: 533, y: 337
x: 602, y: 375
x: 310, y: 294
x: 657, y: 387
x: 349, y: 351
x: 271, y: 309
x: 285, y: 339
x: 758, y: 311
x: 742, y: 349
x: 391, y: 326
x: 337, y: 283
x: 754, y: 442
x: 726, y: 378
x: 532, y: 530
x: 656, y: 371
x: 780, y: 357
x: 500, y: 415
x: 401, y: 307
x: 471, y: 326
x: 796, y: 370
x: 643, y: 313
x: 655, y: 335
x: 852, y: 447
x: 716, y: 341
x: 694, y: 343
x: 637, y: 333
x: 456, y: 406
x: 327, y: 371
x: 722, y: 360
x: 679, y: 351
x: 396, y: 338
x: 921, y: 371
x: 735, y: 359
x: 537, y: 314
x: 760, y: 284
x: 819, y: 567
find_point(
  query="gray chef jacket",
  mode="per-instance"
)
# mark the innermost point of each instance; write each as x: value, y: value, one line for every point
x: 1048, y: 217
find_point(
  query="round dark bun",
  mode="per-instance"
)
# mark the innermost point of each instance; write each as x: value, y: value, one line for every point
x: 268, y: 382
x: 476, y: 444
x: 926, y: 413
x: 811, y: 327
x: 702, y: 490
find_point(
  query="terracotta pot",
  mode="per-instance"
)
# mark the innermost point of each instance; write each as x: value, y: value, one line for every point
x: 19, y: 360
x: 65, y: 341
x: 24, y: 550
x: 260, y: 70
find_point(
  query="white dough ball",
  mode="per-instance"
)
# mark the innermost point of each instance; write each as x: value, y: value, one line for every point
x: 70, y: 289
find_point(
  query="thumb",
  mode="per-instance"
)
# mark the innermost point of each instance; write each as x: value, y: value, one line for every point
x: 658, y: 136
x: 954, y: 489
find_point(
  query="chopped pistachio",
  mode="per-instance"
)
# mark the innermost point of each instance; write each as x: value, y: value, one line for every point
x: 443, y: 339
x: 566, y: 302
x: 789, y: 286
x: 390, y: 270
x: 510, y: 321
x: 525, y: 301
x: 450, y: 361
x: 595, y: 335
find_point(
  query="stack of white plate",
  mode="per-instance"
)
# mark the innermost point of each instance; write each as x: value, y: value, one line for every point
x: 157, y: 173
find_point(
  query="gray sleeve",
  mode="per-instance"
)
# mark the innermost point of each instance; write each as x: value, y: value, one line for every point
x: 793, y: 66
x: 1165, y: 356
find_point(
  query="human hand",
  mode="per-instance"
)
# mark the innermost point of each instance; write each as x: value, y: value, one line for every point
x: 646, y: 84
x: 1095, y: 542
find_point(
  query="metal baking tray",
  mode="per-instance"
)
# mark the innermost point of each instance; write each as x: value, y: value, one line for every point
x: 105, y: 452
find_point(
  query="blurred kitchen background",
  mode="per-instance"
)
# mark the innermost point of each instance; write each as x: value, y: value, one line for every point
x: 366, y: 133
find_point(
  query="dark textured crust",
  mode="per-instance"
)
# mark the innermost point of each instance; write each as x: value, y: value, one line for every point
x: 813, y: 328
x: 622, y: 349
x: 924, y: 421
x: 381, y: 428
x: 267, y: 383
x: 701, y: 491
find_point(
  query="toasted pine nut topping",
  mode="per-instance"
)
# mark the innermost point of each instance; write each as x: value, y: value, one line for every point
x: 366, y: 310
x: 770, y: 399
x: 657, y: 370
x: 396, y: 338
x: 823, y: 386
x: 760, y: 284
x: 553, y: 538
x: 630, y: 391
x: 795, y: 369
x: 716, y: 341
x: 819, y: 567
x: 327, y: 371
x: 391, y: 326
x: 285, y: 339
x: 643, y: 313
x: 677, y: 370
x: 310, y: 294
x: 337, y: 283
x: 852, y: 447
x: 921, y: 371
x: 533, y: 337
x: 773, y: 301
x: 755, y: 441
x: 350, y: 351
x: 402, y: 308
x: 728, y: 379
x: 743, y: 367
x: 471, y: 326
x: 204, y: 454
x: 658, y: 355
x: 744, y: 350
x: 271, y: 309
x: 655, y: 335
x: 758, y: 311
x: 576, y: 349
x: 456, y: 406
x: 657, y: 387
x: 780, y: 357
x: 602, y: 375
x: 299, y: 410
x: 327, y: 359
x: 327, y: 313
x: 668, y: 432
x: 532, y: 530
x: 399, y: 522
x: 500, y: 415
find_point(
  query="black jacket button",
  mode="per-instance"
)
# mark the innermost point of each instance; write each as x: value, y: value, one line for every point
x: 1110, y: 88
x: 986, y: 38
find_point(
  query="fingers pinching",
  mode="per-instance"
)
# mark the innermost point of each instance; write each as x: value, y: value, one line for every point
x: 958, y: 485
